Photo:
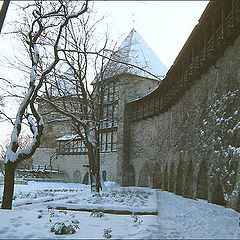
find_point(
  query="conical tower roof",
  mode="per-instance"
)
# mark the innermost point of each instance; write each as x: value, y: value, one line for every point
x: 135, y: 51
x: 65, y: 85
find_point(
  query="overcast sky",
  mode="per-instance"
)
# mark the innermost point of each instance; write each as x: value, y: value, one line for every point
x: 164, y: 25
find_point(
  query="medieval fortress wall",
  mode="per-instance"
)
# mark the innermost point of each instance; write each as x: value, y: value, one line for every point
x: 191, y: 149
x: 131, y: 88
x: 182, y: 135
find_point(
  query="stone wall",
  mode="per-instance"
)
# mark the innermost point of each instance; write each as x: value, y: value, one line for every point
x: 42, y: 156
x: 131, y: 88
x: 192, y: 149
x: 75, y: 171
x: 55, y: 124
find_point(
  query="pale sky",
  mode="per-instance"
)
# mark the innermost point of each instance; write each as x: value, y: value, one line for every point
x: 164, y: 25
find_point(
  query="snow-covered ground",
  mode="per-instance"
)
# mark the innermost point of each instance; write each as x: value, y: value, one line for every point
x: 186, y: 218
x: 35, y: 214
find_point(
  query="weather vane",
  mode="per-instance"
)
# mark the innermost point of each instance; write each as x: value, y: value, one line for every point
x: 133, y: 19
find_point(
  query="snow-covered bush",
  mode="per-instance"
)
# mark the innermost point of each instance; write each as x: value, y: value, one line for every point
x: 97, y: 214
x: 33, y: 195
x: 107, y: 233
x: 64, y: 227
x: 136, y: 218
x: 123, y: 196
x: 40, y: 211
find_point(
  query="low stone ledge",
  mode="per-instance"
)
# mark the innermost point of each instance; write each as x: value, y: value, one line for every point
x: 104, y: 209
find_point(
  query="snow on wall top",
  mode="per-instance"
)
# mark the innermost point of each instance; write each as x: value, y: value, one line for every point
x: 68, y: 137
x: 134, y: 50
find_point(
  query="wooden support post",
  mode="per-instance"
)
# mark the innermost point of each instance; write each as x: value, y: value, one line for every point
x: 213, y: 34
x: 205, y: 44
x: 154, y: 103
x: 178, y: 77
x: 198, y: 54
x: 193, y: 60
x: 223, y: 19
x: 234, y: 12
x: 182, y: 75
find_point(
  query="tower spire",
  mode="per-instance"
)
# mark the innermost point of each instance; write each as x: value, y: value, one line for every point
x: 133, y: 20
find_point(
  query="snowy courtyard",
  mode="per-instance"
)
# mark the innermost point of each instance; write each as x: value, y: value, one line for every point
x: 41, y: 209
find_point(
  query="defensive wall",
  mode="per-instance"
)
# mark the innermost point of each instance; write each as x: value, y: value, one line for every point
x: 184, y: 137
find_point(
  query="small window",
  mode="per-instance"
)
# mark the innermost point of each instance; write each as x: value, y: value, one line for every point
x: 103, y: 140
x: 109, y: 141
x: 114, y: 141
x: 116, y: 93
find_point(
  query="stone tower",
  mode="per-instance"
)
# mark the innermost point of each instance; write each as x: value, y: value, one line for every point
x: 133, y: 73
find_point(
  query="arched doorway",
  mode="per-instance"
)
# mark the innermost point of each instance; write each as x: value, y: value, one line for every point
x: 202, y: 181
x: 188, y: 188
x: 179, y: 180
x: 238, y: 203
x: 77, y: 176
x: 144, y: 178
x: 157, y: 178
x: 171, y: 179
x: 129, y: 176
x: 86, y: 178
x: 217, y: 196
x: 165, y: 187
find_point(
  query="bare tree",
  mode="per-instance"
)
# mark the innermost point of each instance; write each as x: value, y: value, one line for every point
x: 3, y: 13
x: 48, y: 17
x: 1, y: 106
x: 69, y: 94
x: 24, y: 141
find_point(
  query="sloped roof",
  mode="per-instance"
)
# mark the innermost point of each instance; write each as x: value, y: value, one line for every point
x: 134, y: 51
x: 65, y: 85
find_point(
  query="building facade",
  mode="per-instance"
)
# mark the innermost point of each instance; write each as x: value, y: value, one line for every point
x: 181, y: 134
x: 63, y: 149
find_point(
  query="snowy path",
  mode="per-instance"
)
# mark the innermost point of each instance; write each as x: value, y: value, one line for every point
x: 186, y: 218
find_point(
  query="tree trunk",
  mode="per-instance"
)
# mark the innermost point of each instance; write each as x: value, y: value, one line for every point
x: 98, y: 180
x: 8, y: 185
x: 3, y: 12
x: 94, y: 166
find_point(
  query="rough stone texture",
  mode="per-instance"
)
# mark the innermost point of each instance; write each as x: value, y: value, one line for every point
x: 191, y: 131
x: 74, y: 171
x: 56, y: 125
x: 131, y: 88
x: 42, y: 156
x: 72, y: 165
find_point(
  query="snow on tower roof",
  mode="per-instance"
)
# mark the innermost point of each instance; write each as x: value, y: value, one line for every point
x: 65, y: 85
x: 135, y: 51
